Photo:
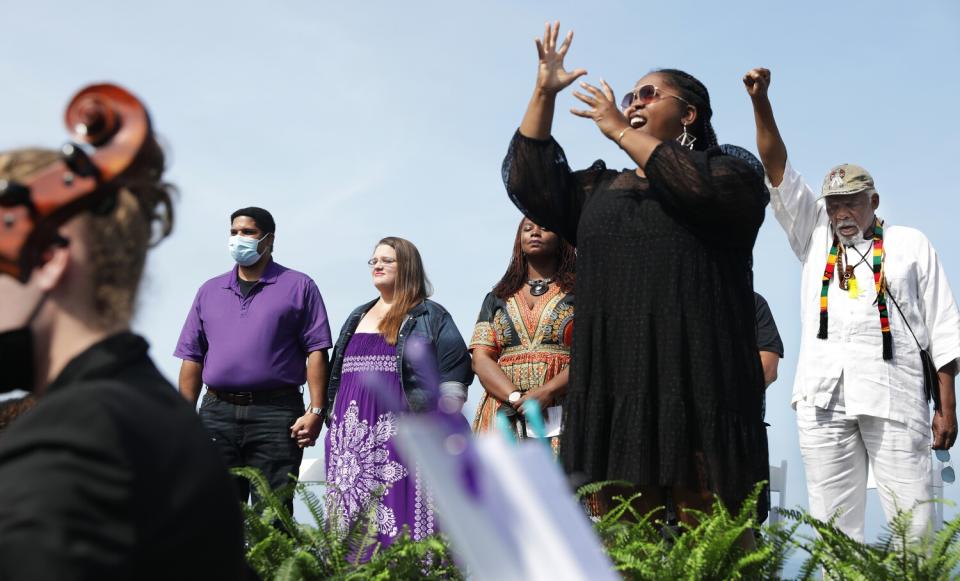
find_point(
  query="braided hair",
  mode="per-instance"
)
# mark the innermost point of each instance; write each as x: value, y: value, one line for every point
x: 696, y: 94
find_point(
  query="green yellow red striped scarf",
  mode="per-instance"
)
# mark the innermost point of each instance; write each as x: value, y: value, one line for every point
x: 878, y: 282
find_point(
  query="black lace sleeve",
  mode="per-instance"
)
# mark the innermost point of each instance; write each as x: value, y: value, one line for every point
x: 717, y: 192
x: 541, y: 185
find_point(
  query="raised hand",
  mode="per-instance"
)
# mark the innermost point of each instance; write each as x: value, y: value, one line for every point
x: 603, y: 109
x: 773, y: 152
x: 551, y: 76
x: 757, y: 81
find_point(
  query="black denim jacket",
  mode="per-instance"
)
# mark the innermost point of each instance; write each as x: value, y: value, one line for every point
x: 434, y: 324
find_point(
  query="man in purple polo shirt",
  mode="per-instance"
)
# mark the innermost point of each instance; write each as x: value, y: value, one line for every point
x: 253, y: 336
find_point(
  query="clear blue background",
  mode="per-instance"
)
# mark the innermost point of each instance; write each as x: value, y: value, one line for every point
x: 352, y: 121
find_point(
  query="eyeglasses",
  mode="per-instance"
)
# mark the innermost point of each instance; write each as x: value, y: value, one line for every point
x: 946, y: 474
x: 386, y: 262
x: 647, y: 94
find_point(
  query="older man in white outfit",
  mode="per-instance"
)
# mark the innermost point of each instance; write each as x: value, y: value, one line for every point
x: 859, y: 389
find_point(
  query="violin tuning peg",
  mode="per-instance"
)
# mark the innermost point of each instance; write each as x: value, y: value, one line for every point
x: 13, y: 194
x: 78, y: 161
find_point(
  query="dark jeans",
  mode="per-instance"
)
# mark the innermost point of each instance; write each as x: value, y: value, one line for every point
x: 256, y: 435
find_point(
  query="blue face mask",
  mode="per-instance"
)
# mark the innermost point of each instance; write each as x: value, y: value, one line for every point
x: 244, y: 250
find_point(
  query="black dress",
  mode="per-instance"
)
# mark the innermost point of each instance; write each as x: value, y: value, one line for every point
x: 666, y: 385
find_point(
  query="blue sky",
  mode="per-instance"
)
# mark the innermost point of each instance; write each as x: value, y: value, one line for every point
x: 352, y: 121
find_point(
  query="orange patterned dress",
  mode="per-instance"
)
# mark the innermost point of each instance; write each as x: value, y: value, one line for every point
x: 530, y: 345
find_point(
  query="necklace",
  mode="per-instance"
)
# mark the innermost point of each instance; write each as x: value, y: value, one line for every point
x: 878, y: 283
x: 847, y: 277
x: 540, y: 286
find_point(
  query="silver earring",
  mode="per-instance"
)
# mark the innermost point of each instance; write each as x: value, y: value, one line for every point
x: 686, y: 139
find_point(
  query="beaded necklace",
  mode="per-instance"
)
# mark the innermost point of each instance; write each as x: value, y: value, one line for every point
x: 878, y: 282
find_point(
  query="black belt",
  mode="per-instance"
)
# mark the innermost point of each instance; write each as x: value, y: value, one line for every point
x: 252, y: 397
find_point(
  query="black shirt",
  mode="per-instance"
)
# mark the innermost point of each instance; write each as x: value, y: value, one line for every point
x: 768, y: 337
x: 112, y: 476
x: 246, y: 286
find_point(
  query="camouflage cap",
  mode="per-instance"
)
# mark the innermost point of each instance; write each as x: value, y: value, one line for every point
x: 846, y: 179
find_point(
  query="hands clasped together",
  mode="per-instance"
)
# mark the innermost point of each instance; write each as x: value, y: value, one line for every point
x: 306, y: 429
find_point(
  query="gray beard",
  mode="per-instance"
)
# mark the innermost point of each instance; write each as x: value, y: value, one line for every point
x: 852, y: 240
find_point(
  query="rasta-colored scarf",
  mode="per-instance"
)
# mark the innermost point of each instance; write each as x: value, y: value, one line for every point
x: 878, y: 282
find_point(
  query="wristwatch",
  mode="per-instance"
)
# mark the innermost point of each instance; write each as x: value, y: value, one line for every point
x: 316, y: 411
x: 514, y: 396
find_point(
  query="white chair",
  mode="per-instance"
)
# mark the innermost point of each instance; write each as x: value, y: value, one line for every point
x: 311, y: 470
x: 778, y: 484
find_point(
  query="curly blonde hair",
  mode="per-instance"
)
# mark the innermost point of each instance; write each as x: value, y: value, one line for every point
x: 117, y: 235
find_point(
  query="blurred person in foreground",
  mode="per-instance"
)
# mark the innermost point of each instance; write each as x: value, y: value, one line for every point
x: 111, y: 475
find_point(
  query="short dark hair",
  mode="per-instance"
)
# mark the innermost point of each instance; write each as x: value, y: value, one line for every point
x: 262, y: 217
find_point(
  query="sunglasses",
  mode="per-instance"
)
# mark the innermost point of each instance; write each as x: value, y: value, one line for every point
x: 646, y: 94
x: 946, y: 474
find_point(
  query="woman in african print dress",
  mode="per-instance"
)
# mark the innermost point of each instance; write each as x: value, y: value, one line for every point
x: 378, y: 373
x: 521, y: 343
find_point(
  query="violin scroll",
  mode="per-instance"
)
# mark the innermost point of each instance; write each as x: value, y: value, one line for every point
x: 111, y: 139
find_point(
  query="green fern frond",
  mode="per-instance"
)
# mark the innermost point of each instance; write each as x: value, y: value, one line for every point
x: 595, y: 487
x: 268, y: 498
x: 641, y: 546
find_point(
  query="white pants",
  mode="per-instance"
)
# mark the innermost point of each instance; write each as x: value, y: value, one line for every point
x: 836, y: 448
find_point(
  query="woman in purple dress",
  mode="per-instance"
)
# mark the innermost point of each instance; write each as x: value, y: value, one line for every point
x: 376, y: 377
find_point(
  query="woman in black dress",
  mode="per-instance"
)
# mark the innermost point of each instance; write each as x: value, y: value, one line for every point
x: 666, y: 388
